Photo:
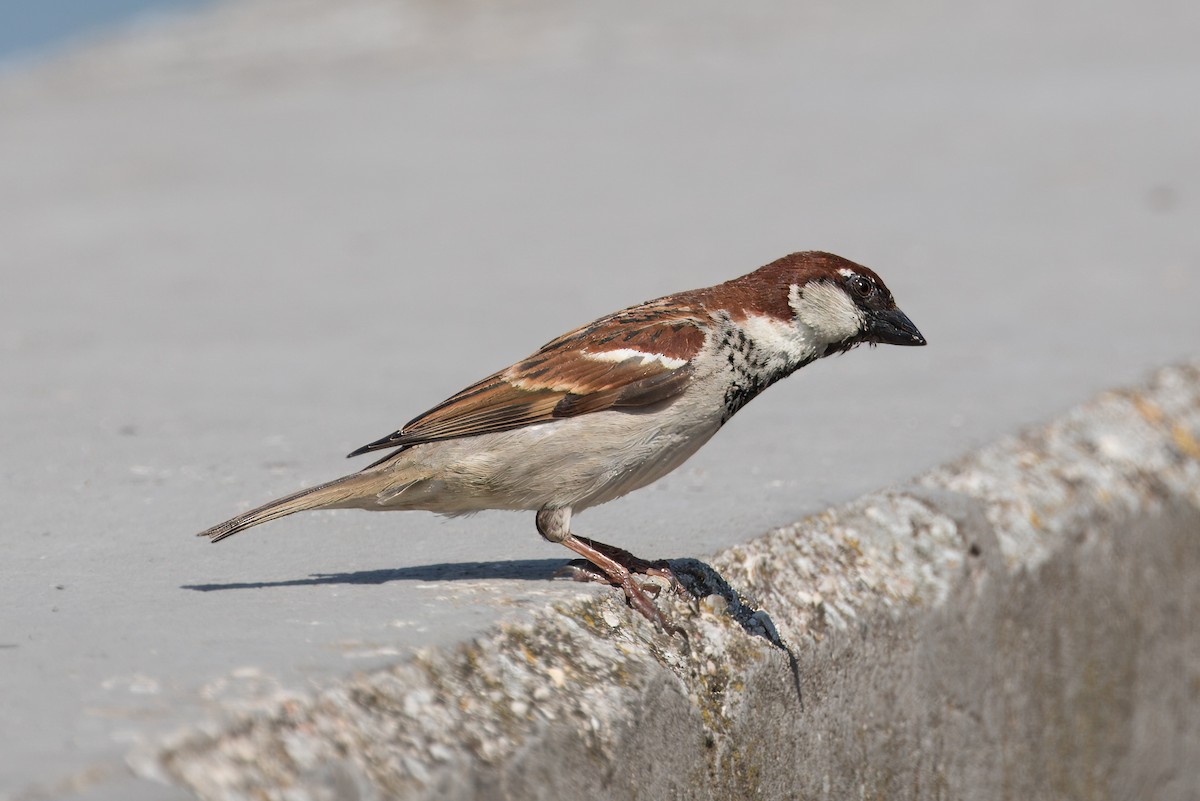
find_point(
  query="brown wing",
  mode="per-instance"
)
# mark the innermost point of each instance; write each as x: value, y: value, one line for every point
x: 632, y: 359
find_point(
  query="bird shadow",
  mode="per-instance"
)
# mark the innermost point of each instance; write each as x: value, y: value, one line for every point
x: 698, y: 579
x: 511, y: 569
x: 702, y: 580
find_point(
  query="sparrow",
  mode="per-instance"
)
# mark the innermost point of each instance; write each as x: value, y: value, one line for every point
x: 613, y: 406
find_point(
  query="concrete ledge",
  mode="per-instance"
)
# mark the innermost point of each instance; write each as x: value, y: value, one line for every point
x: 1019, y: 624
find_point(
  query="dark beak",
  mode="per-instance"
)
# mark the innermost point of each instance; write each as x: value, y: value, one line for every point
x: 892, y: 327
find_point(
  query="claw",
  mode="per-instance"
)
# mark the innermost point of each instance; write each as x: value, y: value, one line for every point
x: 639, y: 601
x: 582, y: 570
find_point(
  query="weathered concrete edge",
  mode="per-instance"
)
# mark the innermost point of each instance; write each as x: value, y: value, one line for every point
x: 590, y: 701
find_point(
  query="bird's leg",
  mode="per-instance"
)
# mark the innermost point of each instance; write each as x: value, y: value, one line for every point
x: 554, y: 525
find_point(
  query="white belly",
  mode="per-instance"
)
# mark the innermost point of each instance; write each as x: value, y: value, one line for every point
x: 576, y: 462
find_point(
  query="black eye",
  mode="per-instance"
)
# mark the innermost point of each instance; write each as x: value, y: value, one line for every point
x: 861, y: 286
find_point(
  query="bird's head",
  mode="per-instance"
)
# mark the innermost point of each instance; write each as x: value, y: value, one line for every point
x: 840, y: 304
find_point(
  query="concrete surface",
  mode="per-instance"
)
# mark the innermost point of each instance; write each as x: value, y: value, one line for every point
x: 1019, y: 624
x: 237, y: 246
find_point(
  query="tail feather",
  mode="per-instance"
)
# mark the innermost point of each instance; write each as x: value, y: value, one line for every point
x: 323, y: 496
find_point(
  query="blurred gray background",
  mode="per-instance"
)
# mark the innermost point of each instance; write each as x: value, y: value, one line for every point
x: 240, y: 239
x: 43, y: 29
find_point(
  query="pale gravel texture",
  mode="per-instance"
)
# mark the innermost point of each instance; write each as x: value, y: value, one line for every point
x: 590, y: 699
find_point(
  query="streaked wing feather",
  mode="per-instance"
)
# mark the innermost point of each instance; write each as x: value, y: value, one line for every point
x: 643, y: 392
x: 570, y: 376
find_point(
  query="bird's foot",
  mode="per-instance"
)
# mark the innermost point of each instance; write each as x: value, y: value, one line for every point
x: 634, y: 564
x: 658, y: 575
x: 617, y: 567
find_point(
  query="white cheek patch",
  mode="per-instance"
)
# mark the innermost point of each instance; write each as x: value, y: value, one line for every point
x: 624, y: 354
x: 827, y: 310
x: 787, y: 343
